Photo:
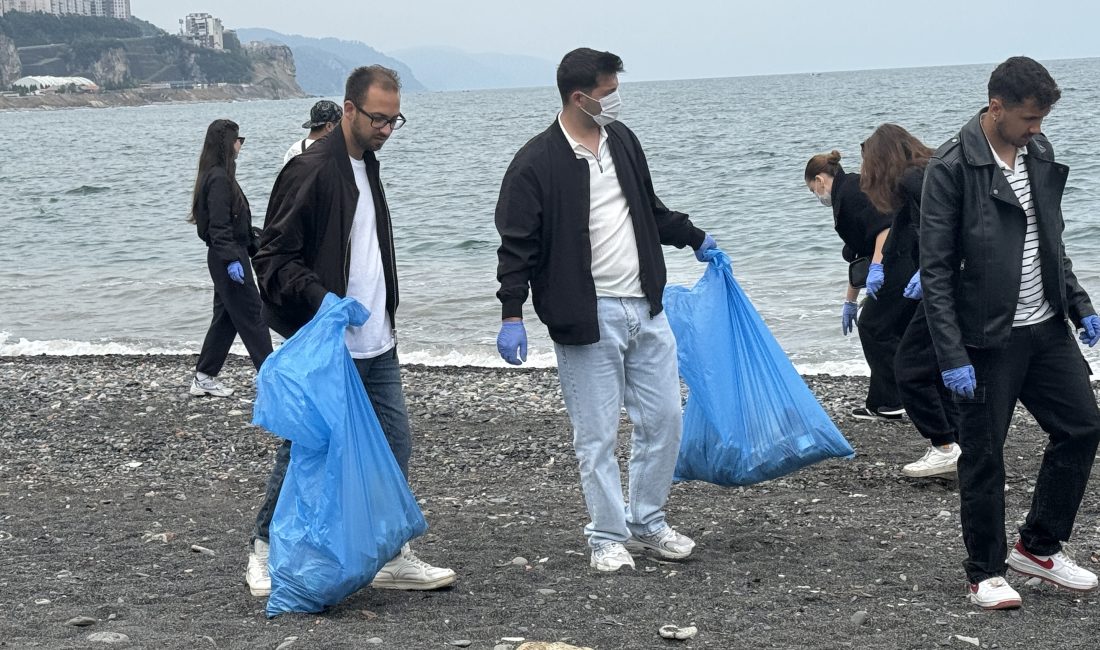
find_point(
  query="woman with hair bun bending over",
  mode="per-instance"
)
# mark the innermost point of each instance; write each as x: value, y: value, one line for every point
x: 220, y: 211
x: 885, y: 313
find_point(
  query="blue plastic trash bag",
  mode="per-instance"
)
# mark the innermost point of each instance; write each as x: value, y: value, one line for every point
x: 345, y: 509
x: 749, y: 416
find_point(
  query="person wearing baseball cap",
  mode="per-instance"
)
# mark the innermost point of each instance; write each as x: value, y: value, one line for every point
x: 323, y: 117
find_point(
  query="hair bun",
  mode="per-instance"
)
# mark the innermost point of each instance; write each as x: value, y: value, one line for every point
x: 834, y: 157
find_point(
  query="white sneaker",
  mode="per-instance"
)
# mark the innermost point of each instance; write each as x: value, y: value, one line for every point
x: 209, y: 386
x: 1058, y: 569
x: 666, y: 542
x: 256, y: 575
x: 406, y: 571
x: 994, y: 593
x: 937, y: 461
x: 611, y: 557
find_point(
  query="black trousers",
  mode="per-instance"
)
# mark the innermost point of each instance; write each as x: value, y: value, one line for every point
x: 236, y: 311
x: 927, y: 401
x: 1042, y: 366
x: 882, y: 321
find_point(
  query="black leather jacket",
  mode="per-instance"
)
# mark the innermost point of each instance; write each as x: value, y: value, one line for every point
x: 972, y: 240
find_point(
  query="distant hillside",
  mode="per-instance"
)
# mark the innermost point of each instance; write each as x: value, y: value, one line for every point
x: 323, y: 64
x: 452, y: 69
x: 118, y: 54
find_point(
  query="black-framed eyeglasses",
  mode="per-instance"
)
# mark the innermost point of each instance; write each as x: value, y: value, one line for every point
x: 240, y: 139
x: 378, y: 121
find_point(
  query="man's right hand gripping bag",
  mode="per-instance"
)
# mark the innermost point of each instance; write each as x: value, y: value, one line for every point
x: 345, y: 509
x: 749, y: 416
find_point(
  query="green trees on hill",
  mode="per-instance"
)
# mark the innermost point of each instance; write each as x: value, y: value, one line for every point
x: 28, y: 29
x: 83, y: 40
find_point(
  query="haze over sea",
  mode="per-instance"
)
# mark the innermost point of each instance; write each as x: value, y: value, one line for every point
x: 97, y: 257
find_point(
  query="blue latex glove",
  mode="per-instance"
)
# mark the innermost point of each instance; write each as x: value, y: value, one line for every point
x: 875, y: 278
x: 961, y: 381
x: 236, y: 272
x: 847, y: 317
x: 512, y: 342
x: 1092, y: 330
x: 708, y: 243
x: 913, y: 290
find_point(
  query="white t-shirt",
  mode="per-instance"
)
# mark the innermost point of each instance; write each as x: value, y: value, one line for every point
x: 615, y: 266
x: 366, y: 278
x: 297, y: 148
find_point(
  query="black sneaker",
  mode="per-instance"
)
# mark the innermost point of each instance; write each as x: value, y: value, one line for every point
x: 864, y: 413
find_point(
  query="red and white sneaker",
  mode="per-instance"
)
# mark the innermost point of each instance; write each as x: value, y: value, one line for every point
x: 994, y: 593
x: 1058, y: 569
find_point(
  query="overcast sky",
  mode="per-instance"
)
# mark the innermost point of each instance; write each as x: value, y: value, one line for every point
x: 683, y: 39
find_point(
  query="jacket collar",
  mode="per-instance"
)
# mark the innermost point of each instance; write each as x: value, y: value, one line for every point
x: 976, y: 147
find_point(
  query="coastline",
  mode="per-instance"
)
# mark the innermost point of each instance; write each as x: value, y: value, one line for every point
x: 110, y: 473
x: 146, y: 96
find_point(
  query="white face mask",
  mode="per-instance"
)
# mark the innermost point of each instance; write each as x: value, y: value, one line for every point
x: 609, y: 108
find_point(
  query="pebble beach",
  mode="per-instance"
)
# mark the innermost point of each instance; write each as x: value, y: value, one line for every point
x: 126, y: 506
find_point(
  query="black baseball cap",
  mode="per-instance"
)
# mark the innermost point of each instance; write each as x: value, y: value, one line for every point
x: 322, y: 113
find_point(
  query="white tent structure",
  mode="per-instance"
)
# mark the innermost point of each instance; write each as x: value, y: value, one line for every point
x: 48, y: 82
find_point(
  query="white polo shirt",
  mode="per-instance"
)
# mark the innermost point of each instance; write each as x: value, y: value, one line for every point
x: 1032, y: 306
x: 615, y: 266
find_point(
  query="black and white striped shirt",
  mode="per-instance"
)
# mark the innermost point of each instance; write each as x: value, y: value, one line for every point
x: 1032, y: 307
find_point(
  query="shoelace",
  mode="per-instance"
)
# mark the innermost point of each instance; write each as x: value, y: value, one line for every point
x: 997, y: 582
x: 412, y: 559
x: 1067, y: 560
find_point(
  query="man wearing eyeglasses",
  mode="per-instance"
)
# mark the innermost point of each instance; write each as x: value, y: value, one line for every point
x: 328, y: 231
x: 581, y: 227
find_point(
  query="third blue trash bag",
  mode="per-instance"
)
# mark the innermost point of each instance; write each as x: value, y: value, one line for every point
x: 345, y: 508
x: 749, y: 415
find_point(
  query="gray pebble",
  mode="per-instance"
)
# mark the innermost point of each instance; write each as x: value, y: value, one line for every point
x: 860, y: 617
x: 287, y: 642
x: 373, y: 641
x: 462, y: 643
x: 201, y: 549
x: 519, y: 561
x: 547, y: 592
x: 81, y: 621
x: 108, y: 637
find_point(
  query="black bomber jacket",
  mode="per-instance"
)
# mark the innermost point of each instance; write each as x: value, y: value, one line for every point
x: 542, y: 218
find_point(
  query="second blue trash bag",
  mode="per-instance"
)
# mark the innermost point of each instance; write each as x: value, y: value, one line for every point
x: 749, y: 416
x: 345, y: 509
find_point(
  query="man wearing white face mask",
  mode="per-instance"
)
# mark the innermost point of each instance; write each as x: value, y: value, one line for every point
x: 581, y: 227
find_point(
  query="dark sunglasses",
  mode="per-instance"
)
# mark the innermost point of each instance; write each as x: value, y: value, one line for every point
x: 240, y: 138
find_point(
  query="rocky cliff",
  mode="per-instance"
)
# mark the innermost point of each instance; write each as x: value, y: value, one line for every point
x: 112, y: 69
x: 273, y: 68
x: 10, y: 67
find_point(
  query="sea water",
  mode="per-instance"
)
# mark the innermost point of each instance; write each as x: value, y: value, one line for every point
x: 97, y: 257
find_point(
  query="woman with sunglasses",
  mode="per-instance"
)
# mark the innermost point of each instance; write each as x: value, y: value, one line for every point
x: 892, y: 177
x: 220, y: 211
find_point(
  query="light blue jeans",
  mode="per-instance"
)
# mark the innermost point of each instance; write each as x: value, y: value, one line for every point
x: 634, y: 363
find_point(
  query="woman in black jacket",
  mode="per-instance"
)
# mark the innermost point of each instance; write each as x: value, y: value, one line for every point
x: 220, y: 211
x: 885, y: 313
x: 893, y: 174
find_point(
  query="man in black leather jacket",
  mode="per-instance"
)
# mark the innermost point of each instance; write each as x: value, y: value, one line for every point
x: 999, y: 290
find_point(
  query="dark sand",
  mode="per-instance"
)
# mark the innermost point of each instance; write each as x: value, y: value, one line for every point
x: 110, y: 472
